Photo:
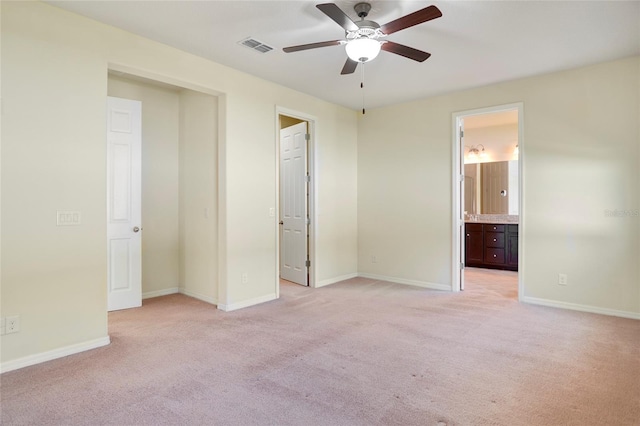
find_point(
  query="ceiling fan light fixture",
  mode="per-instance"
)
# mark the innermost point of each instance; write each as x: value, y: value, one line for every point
x: 362, y: 49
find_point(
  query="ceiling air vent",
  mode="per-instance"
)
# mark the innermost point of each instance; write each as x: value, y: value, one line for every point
x: 254, y: 44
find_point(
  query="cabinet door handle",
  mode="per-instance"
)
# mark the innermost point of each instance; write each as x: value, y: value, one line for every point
x: 494, y: 228
x: 467, y: 235
x: 494, y: 240
x: 495, y: 255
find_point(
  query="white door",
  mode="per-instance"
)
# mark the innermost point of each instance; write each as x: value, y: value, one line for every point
x: 293, y: 203
x: 124, y: 229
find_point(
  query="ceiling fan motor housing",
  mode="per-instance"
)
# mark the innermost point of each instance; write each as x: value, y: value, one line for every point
x: 367, y: 29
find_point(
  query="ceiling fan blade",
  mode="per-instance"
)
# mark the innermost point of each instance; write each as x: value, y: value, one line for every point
x: 349, y: 66
x: 406, y: 51
x: 312, y: 46
x: 415, y: 18
x: 335, y: 13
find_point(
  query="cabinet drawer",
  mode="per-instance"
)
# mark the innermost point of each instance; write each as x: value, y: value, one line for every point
x: 493, y: 228
x: 494, y: 255
x: 473, y: 227
x: 494, y: 239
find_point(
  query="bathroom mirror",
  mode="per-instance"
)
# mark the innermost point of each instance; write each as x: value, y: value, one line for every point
x: 491, y: 188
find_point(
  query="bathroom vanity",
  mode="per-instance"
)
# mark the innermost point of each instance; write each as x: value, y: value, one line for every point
x: 491, y: 245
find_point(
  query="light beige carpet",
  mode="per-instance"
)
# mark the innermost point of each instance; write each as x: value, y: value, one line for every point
x: 359, y: 352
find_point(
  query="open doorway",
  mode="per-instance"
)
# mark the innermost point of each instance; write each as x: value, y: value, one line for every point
x: 178, y: 169
x: 488, y: 195
x: 295, y: 198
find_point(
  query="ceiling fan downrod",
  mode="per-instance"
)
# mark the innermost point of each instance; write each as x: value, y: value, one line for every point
x: 362, y: 9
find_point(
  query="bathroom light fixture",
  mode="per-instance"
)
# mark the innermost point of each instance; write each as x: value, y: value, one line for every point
x: 362, y: 49
x: 476, y: 151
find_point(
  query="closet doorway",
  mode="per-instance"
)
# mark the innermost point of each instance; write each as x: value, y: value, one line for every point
x: 178, y: 227
x: 295, y: 183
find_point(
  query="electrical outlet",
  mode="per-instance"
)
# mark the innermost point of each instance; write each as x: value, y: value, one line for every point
x: 12, y: 324
x: 245, y: 278
x: 563, y: 279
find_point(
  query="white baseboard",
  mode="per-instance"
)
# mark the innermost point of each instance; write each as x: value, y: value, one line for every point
x: 158, y: 293
x: 416, y: 283
x: 581, y: 308
x: 199, y: 296
x: 54, y: 354
x: 335, y: 280
x: 247, y: 303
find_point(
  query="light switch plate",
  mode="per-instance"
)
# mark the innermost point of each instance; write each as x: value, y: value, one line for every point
x: 68, y: 218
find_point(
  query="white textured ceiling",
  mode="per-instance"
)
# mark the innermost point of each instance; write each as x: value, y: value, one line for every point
x: 474, y: 43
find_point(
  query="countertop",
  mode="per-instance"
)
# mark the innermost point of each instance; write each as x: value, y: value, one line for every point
x: 495, y: 219
x: 492, y: 222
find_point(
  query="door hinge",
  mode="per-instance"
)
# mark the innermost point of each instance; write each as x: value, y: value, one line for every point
x: 461, y: 178
x: 461, y: 133
x: 307, y: 136
x: 461, y: 265
x: 307, y: 178
x: 308, y: 221
x: 307, y: 263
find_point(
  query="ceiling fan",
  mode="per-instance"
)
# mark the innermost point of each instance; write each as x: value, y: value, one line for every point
x: 364, y: 39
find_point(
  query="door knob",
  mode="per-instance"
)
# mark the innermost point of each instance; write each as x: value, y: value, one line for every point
x: 136, y: 229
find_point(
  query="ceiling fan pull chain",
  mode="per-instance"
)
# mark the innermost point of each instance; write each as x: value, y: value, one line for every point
x: 362, y: 87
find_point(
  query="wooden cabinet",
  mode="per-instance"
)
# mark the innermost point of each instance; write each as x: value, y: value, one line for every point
x: 491, y: 245
x: 512, y: 246
x: 474, y: 243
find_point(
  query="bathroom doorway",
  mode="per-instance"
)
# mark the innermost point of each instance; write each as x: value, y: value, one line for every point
x: 488, y: 192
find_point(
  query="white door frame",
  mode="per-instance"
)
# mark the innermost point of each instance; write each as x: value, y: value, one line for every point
x: 311, y: 120
x: 458, y: 208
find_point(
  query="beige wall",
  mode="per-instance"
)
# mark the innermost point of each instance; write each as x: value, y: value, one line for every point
x: 54, y: 71
x: 336, y: 183
x: 580, y: 149
x: 160, y: 107
x: 199, y: 195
